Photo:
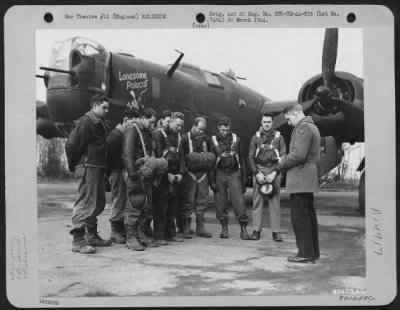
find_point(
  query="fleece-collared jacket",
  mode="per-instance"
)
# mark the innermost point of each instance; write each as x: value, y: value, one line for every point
x: 86, y: 144
x: 132, y: 148
x: 169, y: 146
x: 114, y: 149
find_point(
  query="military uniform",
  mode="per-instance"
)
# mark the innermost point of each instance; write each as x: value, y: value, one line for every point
x: 117, y: 182
x: 230, y: 175
x: 265, y: 149
x: 194, y: 188
x: 139, y: 190
x: 165, y: 195
x: 302, y: 182
x: 86, y: 152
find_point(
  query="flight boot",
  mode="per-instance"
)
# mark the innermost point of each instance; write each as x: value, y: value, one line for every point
x: 92, y: 238
x: 79, y: 244
x: 186, y: 228
x: 142, y: 237
x: 276, y: 236
x: 131, y: 241
x: 244, y: 235
x: 200, y: 230
x: 224, y: 233
x: 117, y: 232
x: 255, y: 235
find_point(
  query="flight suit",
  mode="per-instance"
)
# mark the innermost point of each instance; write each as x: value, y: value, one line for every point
x: 265, y: 149
x: 117, y: 182
x: 139, y: 189
x: 166, y: 194
x: 194, y: 188
x: 86, y: 152
x: 302, y: 182
x: 230, y: 176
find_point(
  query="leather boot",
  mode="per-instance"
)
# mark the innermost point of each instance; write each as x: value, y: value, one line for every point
x: 276, y: 236
x: 224, y: 233
x: 200, y: 231
x: 92, y: 238
x: 244, y: 235
x: 142, y: 238
x: 255, y: 235
x: 79, y: 244
x: 117, y: 233
x: 186, y: 228
x: 131, y: 241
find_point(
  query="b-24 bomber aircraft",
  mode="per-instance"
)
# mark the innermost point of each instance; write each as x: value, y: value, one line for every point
x: 80, y: 68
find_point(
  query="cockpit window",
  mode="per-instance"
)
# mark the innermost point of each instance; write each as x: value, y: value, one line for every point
x: 88, y: 47
x: 60, y: 57
x: 212, y: 79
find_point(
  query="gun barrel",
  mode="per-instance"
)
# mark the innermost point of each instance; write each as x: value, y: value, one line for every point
x: 57, y: 70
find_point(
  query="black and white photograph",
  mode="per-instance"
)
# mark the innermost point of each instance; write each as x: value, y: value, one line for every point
x: 178, y: 162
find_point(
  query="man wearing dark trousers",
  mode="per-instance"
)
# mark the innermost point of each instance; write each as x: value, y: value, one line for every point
x: 194, y: 188
x: 86, y: 151
x: 136, y: 147
x: 115, y: 168
x: 165, y: 195
x: 302, y: 182
x: 229, y: 176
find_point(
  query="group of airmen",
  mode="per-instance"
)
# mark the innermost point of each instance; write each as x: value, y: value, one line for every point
x: 159, y: 176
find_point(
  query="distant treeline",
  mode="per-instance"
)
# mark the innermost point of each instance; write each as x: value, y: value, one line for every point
x: 51, y: 159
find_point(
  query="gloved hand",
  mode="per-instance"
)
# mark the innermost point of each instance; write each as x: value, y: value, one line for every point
x: 260, y: 178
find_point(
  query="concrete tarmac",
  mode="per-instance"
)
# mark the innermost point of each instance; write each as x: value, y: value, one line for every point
x: 199, y: 266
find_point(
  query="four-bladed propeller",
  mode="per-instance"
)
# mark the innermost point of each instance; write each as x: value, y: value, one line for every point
x: 323, y: 93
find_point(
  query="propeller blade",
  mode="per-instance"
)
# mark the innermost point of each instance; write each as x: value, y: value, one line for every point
x: 347, y: 107
x: 307, y: 104
x: 280, y: 120
x: 329, y: 54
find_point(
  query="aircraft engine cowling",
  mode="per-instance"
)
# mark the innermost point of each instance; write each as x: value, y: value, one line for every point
x: 337, y: 109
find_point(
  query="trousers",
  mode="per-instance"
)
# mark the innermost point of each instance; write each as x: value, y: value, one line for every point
x: 229, y: 182
x: 194, y: 195
x: 165, y: 213
x: 274, y: 203
x: 118, y: 196
x: 91, y: 197
x: 305, y: 224
x: 139, y: 201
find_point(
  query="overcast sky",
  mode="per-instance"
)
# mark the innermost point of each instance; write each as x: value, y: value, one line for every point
x: 275, y: 61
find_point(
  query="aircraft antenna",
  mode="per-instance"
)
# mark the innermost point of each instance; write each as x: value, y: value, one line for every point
x: 176, y: 64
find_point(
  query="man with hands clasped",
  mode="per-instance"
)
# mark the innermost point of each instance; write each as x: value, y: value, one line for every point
x: 266, y: 148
